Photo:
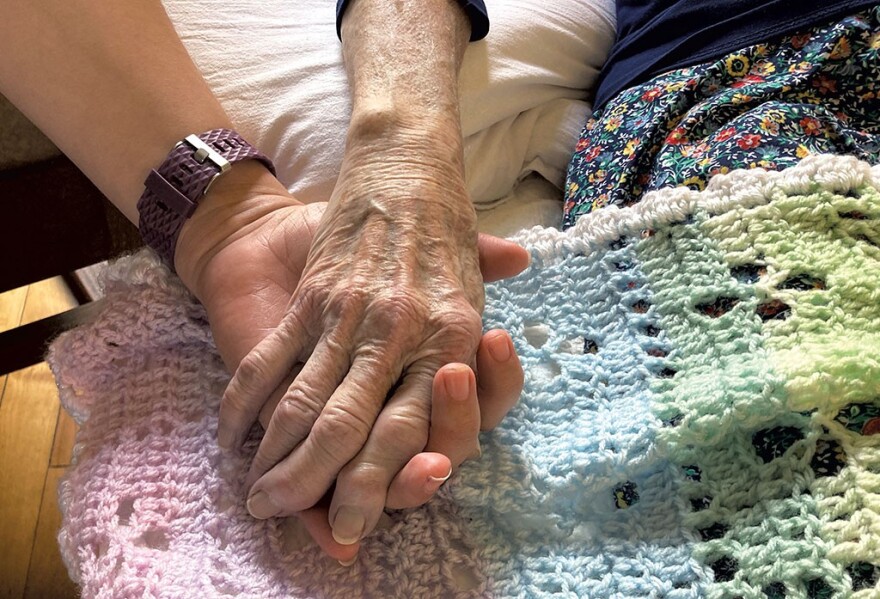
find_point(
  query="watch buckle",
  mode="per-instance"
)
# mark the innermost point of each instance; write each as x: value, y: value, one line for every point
x: 205, y: 152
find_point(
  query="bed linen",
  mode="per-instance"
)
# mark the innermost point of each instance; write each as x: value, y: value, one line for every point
x: 276, y: 67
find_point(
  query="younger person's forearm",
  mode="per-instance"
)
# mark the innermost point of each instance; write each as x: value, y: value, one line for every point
x: 113, y: 86
x: 109, y: 82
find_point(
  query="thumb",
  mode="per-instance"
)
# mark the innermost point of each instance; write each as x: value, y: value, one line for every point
x: 499, y: 258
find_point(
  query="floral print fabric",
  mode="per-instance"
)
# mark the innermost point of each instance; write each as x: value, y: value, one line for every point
x: 767, y: 106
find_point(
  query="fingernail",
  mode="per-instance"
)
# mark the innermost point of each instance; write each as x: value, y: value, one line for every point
x: 348, y: 563
x: 435, y: 479
x: 458, y: 384
x: 260, y: 506
x: 434, y: 482
x: 348, y: 526
x: 499, y: 348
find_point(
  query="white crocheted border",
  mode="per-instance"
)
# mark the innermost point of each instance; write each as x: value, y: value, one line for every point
x: 738, y: 188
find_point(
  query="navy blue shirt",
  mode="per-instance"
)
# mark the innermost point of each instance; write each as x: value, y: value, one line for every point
x: 475, y: 9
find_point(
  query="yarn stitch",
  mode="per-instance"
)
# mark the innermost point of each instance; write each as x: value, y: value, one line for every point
x: 701, y: 418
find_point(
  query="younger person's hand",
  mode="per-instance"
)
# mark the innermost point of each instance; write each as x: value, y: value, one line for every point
x: 243, y: 254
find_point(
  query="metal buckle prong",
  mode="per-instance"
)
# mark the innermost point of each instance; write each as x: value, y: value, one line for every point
x: 205, y: 152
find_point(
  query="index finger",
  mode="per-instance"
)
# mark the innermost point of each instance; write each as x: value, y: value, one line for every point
x: 256, y: 378
x: 301, y: 406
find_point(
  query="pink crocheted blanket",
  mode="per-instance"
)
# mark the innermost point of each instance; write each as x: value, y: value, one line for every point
x: 153, y: 509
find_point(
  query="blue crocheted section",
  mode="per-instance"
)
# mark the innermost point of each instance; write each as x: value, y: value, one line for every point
x: 571, y: 498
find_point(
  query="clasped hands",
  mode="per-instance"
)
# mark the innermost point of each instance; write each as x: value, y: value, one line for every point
x: 353, y: 329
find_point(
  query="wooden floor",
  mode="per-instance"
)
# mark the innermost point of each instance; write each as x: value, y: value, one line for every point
x: 36, y: 439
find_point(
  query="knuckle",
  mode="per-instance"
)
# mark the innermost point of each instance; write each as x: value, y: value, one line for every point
x: 294, y: 323
x: 251, y: 373
x: 233, y: 395
x: 345, y: 302
x: 310, y: 298
x: 475, y: 291
x: 460, y: 331
x: 314, y: 292
x: 402, y: 435
x: 339, y: 433
x: 296, y: 413
x: 399, y: 312
x: 369, y: 477
x: 407, y: 432
x: 285, y: 486
x: 459, y: 313
x: 337, y: 343
x: 233, y: 410
x: 378, y: 373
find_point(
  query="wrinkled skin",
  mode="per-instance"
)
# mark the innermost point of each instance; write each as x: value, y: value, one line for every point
x: 247, y: 287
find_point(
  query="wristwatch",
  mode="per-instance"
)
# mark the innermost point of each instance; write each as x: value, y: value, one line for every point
x: 173, y: 191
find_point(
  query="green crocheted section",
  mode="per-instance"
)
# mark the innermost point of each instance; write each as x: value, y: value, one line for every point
x: 773, y: 314
x: 820, y: 257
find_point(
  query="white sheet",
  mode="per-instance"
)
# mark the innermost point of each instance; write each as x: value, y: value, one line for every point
x: 276, y: 67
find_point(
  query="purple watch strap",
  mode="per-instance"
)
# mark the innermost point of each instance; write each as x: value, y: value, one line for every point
x: 174, y: 190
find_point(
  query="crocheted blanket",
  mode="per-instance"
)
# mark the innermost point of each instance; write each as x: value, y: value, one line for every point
x: 701, y: 418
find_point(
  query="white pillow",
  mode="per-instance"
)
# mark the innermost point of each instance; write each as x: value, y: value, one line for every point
x: 276, y: 66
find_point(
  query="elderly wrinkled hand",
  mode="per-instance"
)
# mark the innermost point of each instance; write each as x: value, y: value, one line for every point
x: 245, y: 285
x: 390, y: 292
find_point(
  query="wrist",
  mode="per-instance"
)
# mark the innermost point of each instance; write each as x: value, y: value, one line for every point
x: 400, y: 143
x: 403, y: 62
x: 406, y: 169
x: 234, y: 203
